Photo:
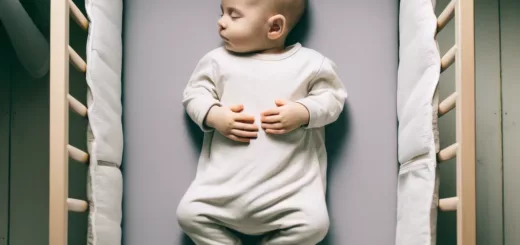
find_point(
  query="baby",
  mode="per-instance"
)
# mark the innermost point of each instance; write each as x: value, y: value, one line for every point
x: 263, y: 107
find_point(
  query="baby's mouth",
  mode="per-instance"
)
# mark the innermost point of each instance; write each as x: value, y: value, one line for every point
x: 224, y: 38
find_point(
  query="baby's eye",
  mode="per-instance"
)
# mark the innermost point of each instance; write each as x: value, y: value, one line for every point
x: 235, y: 15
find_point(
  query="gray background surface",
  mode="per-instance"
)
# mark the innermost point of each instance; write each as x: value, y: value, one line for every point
x: 164, y: 39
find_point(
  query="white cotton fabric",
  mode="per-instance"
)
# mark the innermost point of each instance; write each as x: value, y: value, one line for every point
x: 105, y: 143
x: 275, y: 181
x: 418, y: 76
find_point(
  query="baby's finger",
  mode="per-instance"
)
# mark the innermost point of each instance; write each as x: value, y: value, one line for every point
x: 272, y: 126
x: 236, y: 108
x: 275, y: 131
x: 271, y: 112
x: 243, y: 134
x: 239, y: 139
x: 271, y: 119
x: 245, y: 126
x: 244, y: 118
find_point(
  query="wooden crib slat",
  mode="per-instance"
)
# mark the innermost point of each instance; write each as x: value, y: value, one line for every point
x: 75, y: 205
x: 78, y: 16
x: 446, y: 16
x: 447, y: 104
x: 448, y: 204
x: 58, y: 122
x: 77, y: 106
x: 77, y: 154
x: 465, y: 122
x: 448, y: 153
x: 448, y: 59
x: 77, y: 61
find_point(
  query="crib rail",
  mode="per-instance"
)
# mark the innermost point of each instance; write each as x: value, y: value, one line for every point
x: 448, y: 204
x: 446, y: 16
x: 75, y: 205
x: 448, y: 59
x: 75, y: 105
x: 60, y: 101
x: 448, y: 153
x: 77, y: 154
x: 448, y: 104
x: 463, y: 100
x: 77, y: 61
x: 80, y: 19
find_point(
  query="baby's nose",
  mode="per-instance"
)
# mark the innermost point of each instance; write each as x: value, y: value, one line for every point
x: 221, y: 24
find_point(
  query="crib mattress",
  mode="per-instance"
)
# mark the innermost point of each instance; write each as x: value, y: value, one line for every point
x: 105, y: 131
x: 418, y: 76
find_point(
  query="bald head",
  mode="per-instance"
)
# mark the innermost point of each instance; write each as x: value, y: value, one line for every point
x: 292, y: 10
x: 253, y: 25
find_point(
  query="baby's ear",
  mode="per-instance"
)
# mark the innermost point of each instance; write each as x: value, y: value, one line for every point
x: 277, y: 27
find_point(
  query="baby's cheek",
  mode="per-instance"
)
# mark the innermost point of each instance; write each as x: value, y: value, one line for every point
x: 246, y: 37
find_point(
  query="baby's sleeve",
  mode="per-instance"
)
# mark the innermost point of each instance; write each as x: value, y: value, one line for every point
x: 200, y: 95
x: 326, y: 96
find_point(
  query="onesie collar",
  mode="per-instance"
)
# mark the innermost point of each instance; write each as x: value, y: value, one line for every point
x: 289, y: 51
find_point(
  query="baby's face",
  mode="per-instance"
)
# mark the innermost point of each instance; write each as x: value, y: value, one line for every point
x: 244, y: 25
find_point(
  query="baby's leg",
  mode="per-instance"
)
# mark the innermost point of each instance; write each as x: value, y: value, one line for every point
x: 306, y: 225
x: 299, y: 229
x: 201, y: 228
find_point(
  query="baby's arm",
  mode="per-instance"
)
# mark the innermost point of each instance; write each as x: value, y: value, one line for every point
x: 285, y: 117
x: 326, y: 97
x: 322, y: 106
x: 202, y: 104
x: 200, y: 95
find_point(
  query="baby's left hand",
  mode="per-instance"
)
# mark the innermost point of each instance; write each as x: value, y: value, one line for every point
x: 286, y: 117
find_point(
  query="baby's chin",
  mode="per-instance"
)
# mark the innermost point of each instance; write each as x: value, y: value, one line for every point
x: 237, y: 49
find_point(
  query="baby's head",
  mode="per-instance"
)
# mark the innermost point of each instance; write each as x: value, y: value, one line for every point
x: 258, y: 25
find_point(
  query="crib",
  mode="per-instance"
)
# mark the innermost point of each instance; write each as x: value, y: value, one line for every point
x: 60, y: 102
x: 464, y: 97
x: 462, y: 101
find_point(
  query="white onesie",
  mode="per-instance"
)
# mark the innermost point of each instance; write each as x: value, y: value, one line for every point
x: 274, y: 185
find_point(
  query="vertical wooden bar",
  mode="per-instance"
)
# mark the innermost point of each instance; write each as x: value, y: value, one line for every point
x: 59, y: 128
x: 465, y: 122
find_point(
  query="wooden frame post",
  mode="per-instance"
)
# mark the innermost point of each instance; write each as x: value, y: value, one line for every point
x: 465, y: 122
x: 59, y: 122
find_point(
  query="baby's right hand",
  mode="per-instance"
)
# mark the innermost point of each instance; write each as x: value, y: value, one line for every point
x: 232, y: 124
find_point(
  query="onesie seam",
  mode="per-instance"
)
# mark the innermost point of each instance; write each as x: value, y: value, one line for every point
x: 311, y: 117
x: 323, y: 58
x: 210, y: 103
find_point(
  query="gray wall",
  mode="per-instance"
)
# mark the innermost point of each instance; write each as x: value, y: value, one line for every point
x: 510, y: 39
x: 5, y: 98
x: 163, y: 42
x: 489, y: 134
x: 24, y: 142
